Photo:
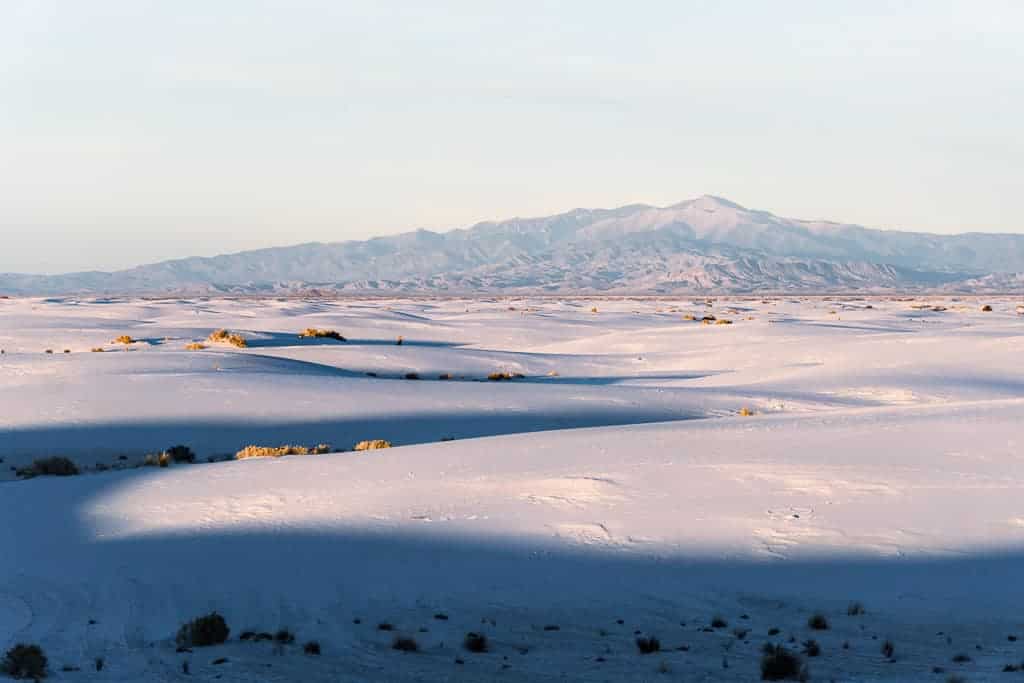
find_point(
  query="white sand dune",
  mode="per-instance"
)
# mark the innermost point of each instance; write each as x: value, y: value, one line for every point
x: 883, y: 464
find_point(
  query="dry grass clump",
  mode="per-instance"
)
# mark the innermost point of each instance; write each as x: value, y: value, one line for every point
x: 405, y: 644
x: 195, y: 346
x: 648, y: 645
x: 98, y: 349
x: 223, y: 336
x: 203, y: 631
x: 57, y: 466
x: 723, y: 321
x: 124, y: 339
x: 689, y: 316
x: 25, y: 661
x: 746, y: 412
x: 818, y: 622
x: 504, y: 375
x: 315, y: 333
x: 372, y: 445
x: 279, y: 451
x: 475, y: 642
x: 158, y: 459
x: 780, y: 664
x: 986, y: 308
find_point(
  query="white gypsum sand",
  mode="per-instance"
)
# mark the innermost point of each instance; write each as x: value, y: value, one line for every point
x: 614, y: 480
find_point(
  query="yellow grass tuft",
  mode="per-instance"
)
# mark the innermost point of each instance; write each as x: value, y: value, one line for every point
x: 228, y: 337
x: 372, y: 445
x: 315, y: 333
x: 98, y: 349
x: 195, y: 346
x: 504, y: 375
x: 723, y: 321
x: 747, y: 412
x: 124, y: 339
x: 278, y: 451
x: 689, y: 316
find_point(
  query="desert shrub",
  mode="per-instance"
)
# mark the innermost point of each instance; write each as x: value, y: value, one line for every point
x: 746, y: 412
x: 780, y: 664
x: 888, y: 649
x: 181, y: 453
x: 56, y: 466
x: 124, y: 339
x: 412, y: 375
x: 961, y: 658
x: 648, y: 644
x: 284, y: 636
x: 311, y: 648
x: 97, y: 349
x: 203, y: 631
x: 812, y: 648
x: 278, y: 451
x: 689, y: 316
x: 158, y: 460
x: 25, y: 661
x: 503, y: 375
x: 818, y: 622
x: 445, y: 375
x: 50, y: 351
x: 475, y: 642
x: 372, y: 444
x: 195, y: 346
x: 723, y: 321
x: 405, y: 644
x: 718, y: 622
x: 986, y: 308
x: 315, y: 333
x: 398, y: 342
x: 855, y: 609
x: 223, y: 336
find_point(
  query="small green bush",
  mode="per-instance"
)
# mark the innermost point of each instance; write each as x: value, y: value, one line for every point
x: 25, y: 661
x: 203, y: 631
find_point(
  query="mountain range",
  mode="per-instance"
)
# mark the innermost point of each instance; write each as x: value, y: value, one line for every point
x: 703, y: 245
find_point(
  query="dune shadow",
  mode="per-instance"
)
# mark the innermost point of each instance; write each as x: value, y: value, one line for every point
x: 283, y: 339
x: 320, y: 581
x: 217, y: 437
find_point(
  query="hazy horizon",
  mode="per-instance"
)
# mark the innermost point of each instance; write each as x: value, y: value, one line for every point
x: 137, y: 131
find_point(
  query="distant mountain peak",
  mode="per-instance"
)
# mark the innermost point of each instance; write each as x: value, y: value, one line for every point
x: 705, y: 244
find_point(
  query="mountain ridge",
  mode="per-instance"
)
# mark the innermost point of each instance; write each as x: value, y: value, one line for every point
x: 707, y: 244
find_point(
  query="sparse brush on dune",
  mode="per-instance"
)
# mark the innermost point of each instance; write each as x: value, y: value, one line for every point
x: 55, y: 466
x: 504, y: 375
x: 203, y: 631
x: 195, y: 346
x: 372, y: 444
x: 225, y: 337
x: 25, y: 661
x: 279, y: 451
x: 316, y: 333
x: 124, y: 339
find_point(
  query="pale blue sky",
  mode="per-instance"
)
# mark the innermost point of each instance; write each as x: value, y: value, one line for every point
x: 137, y: 130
